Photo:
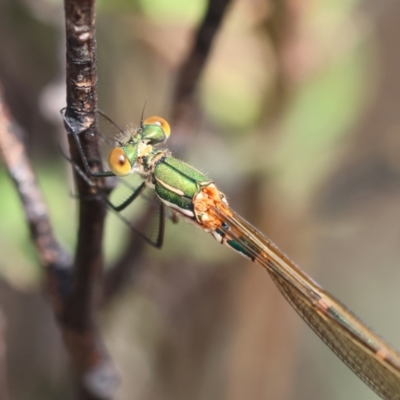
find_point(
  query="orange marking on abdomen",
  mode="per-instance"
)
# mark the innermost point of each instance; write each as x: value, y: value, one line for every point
x: 382, y: 353
x: 322, y: 305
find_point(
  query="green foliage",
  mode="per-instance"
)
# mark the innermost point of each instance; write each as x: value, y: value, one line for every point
x: 163, y: 11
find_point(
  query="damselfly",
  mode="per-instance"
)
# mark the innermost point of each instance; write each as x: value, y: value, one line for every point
x: 196, y: 198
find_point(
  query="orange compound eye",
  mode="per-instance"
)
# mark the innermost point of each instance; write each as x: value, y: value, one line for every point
x: 160, y: 122
x: 119, y: 162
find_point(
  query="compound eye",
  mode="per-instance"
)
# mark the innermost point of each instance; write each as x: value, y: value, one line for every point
x: 119, y: 162
x: 160, y: 122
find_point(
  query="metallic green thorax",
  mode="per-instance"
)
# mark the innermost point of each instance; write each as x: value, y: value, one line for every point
x: 176, y: 183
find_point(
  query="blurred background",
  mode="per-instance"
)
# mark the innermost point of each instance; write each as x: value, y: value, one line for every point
x: 299, y: 127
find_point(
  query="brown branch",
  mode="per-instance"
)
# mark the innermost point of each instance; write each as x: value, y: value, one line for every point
x: 184, y: 108
x: 73, y: 296
x: 55, y: 261
x: 53, y: 258
x: 94, y: 369
x: 13, y: 152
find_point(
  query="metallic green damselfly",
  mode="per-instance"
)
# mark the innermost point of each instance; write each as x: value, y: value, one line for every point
x: 195, y: 197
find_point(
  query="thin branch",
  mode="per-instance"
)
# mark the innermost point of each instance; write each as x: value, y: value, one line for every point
x: 55, y: 261
x: 184, y: 108
x: 96, y: 374
x: 53, y: 258
x: 20, y: 170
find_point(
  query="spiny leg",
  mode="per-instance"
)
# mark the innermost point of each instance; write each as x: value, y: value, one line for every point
x: 159, y: 239
x: 131, y: 198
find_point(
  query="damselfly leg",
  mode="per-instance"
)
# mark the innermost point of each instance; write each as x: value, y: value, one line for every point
x: 156, y: 236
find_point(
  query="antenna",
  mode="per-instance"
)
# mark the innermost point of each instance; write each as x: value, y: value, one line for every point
x: 141, y: 118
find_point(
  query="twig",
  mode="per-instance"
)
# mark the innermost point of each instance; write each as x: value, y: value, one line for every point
x: 184, y: 109
x: 55, y: 261
x: 96, y: 374
x: 52, y: 256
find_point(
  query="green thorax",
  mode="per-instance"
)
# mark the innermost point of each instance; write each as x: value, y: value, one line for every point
x: 176, y: 183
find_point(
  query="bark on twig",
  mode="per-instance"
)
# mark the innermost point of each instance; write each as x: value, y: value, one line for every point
x: 96, y: 374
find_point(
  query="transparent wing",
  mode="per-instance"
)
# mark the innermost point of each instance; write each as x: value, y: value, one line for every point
x: 367, y: 355
x: 110, y: 133
x: 109, y: 130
